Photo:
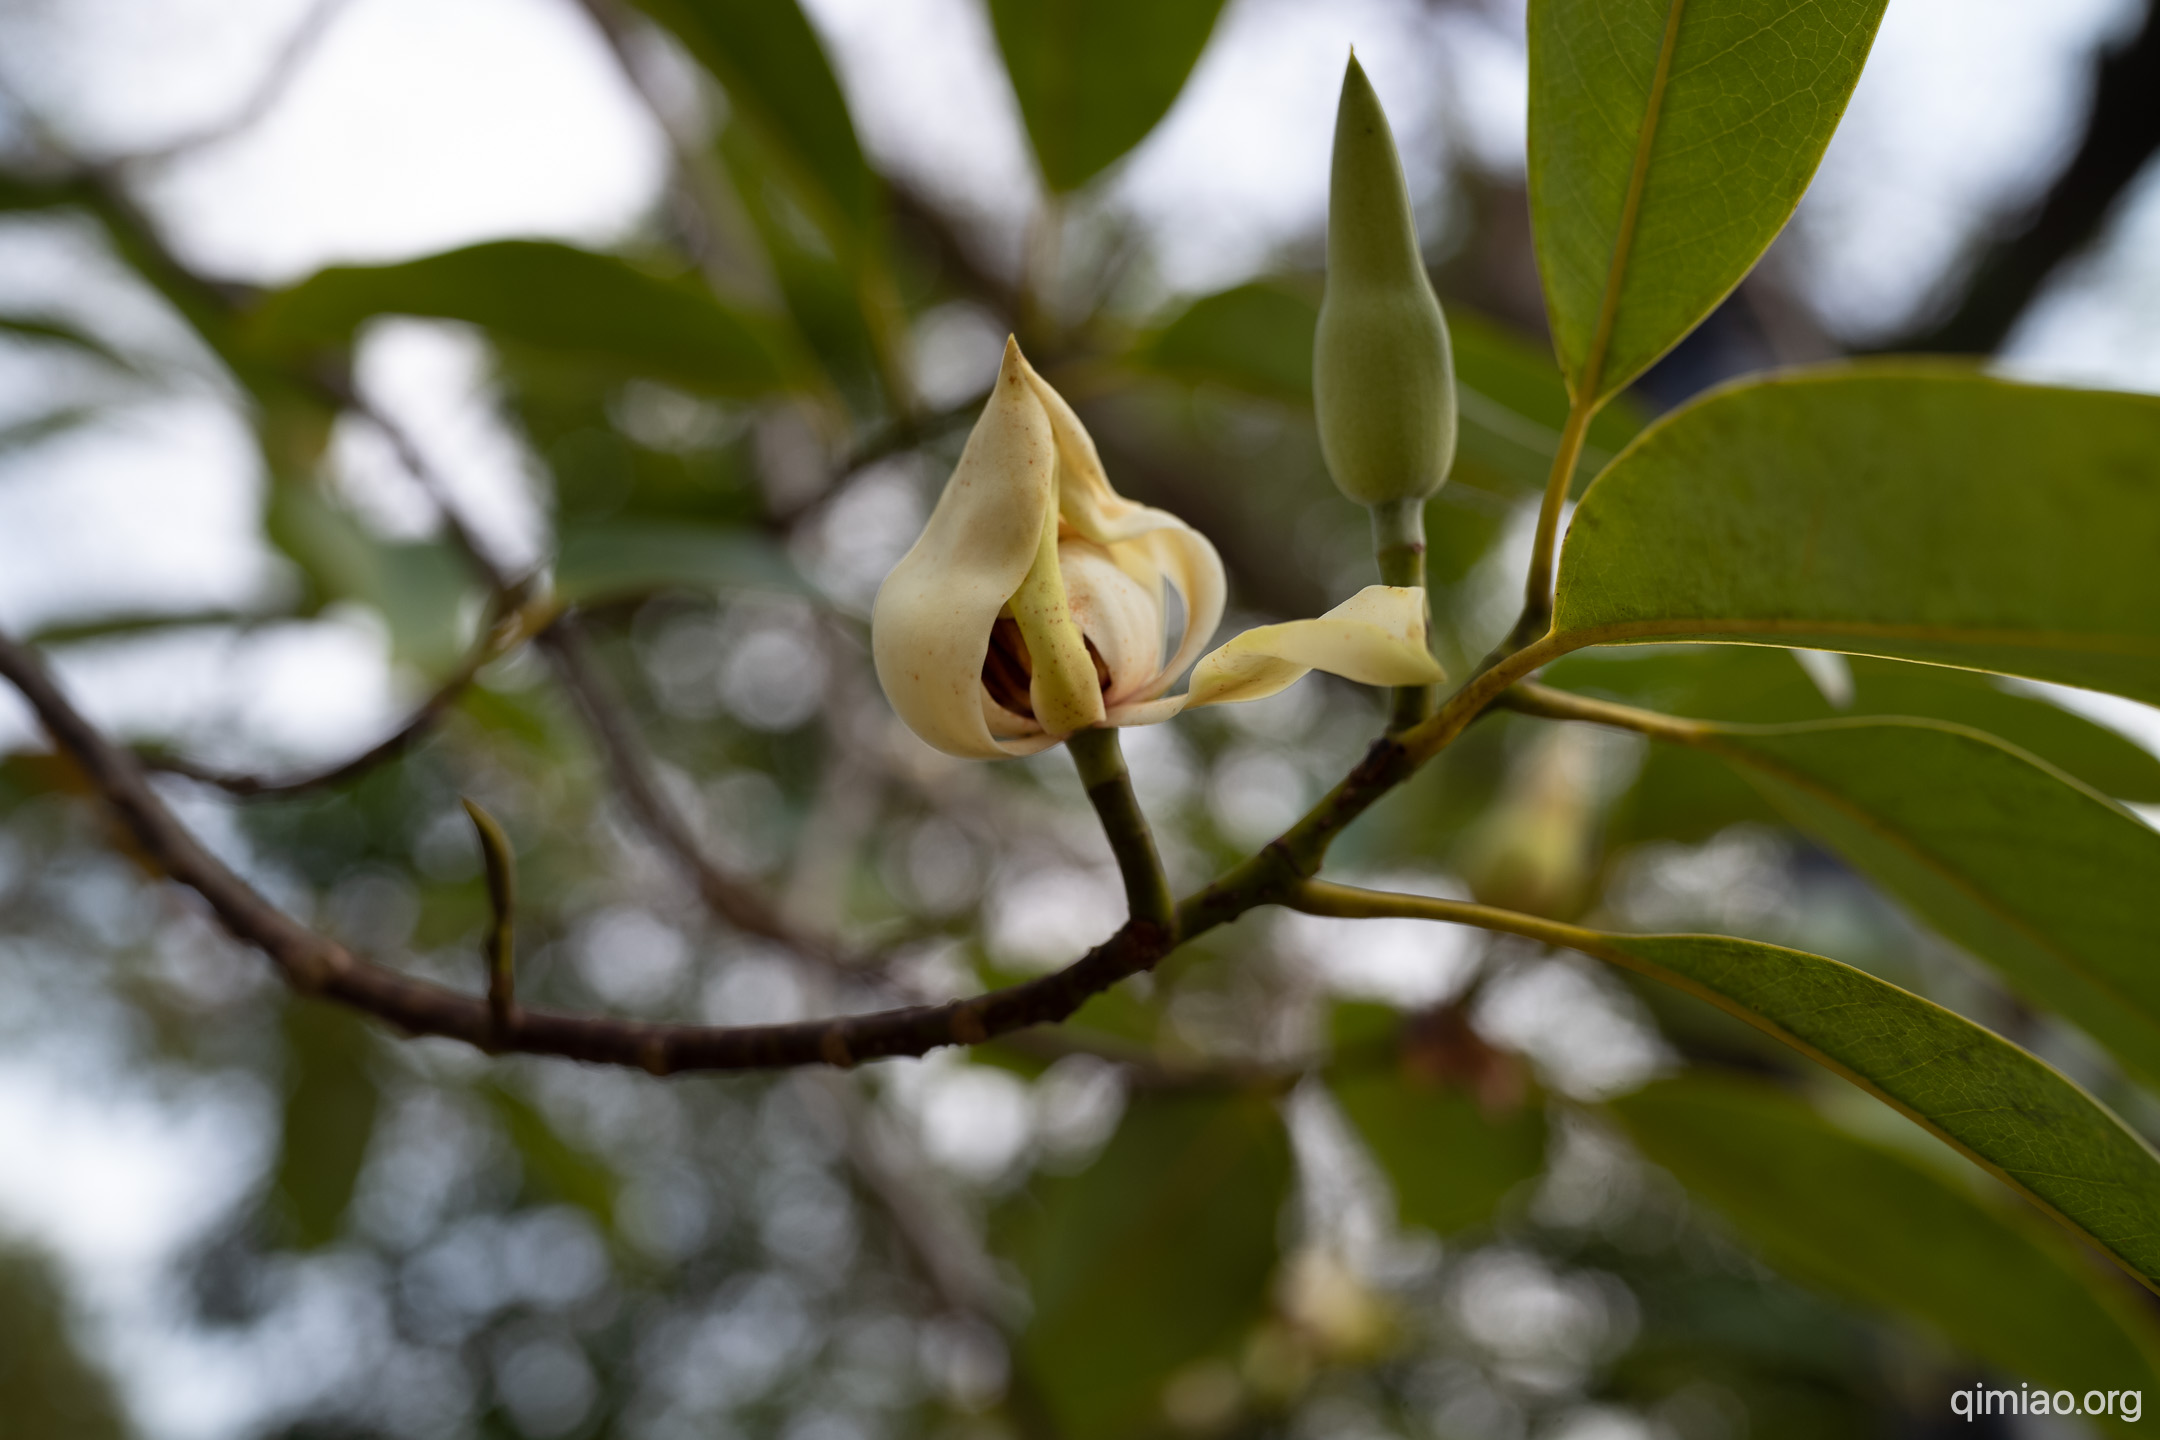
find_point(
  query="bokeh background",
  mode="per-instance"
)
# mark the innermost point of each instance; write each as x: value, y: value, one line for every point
x: 227, y: 1214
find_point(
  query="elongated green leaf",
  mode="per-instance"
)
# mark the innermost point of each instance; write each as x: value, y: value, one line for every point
x: 556, y: 297
x: 1159, y: 1253
x: 1093, y: 76
x: 1903, y: 510
x: 49, y: 1390
x: 769, y: 60
x: 618, y: 559
x: 1450, y: 1162
x: 2032, y: 871
x: 2007, y: 1110
x: 330, y: 1103
x: 1751, y: 685
x: 1669, y: 142
x: 1870, y: 1225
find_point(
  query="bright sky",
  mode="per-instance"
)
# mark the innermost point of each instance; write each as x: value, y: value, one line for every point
x: 422, y: 124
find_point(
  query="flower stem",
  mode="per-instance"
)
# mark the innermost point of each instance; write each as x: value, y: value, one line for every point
x: 1101, y: 763
x: 1399, y: 546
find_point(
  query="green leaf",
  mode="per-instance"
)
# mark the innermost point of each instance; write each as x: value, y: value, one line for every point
x: 56, y: 331
x: 2030, y: 870
x: 1909, y: 511
x: 553, y: 1167
x: 2016, y: 1116
x: 1451, y: 1164
x: 330, y: 1104
x: 1669, y: 142
x: 555, y: 297
x: 1752, y: 685
x: 1256, y: 337
x: 1093, y: 76
x: 778, y: 81
x: 1869, y: 1225
x: 49, y: 1390
x: 613, y: 560
x: 1156, y: 1255
x: 419, y: 587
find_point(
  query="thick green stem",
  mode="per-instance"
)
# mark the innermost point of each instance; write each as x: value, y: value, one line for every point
x: 1109, y: 789
x: 1537, y: 608
x: 1399, y: 545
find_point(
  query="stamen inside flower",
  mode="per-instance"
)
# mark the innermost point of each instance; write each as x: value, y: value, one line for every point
x: 1007, y: 669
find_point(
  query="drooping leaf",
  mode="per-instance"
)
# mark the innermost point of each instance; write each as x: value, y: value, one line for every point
x: 1752, y: 685
x: 49, y: 1390
x: 329, y: 1116
x: 1256, y: 337
x: 1910, y: 511
x: 612, y: 560
x: 1156, y: 1255
x: 2030, y: 870
x: 1450, y: 1161
x: 420, y: 587
x: 1870, y: 1225
x: 555, y: 297
x: 1670, y: 141
x: 57, y: 331
x: 554, y: 1168
x: 1093, y: 76
x: 2003, y: 1108
x: 773, y: 67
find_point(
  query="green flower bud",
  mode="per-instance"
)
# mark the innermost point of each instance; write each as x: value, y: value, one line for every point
x: 1383, y: 378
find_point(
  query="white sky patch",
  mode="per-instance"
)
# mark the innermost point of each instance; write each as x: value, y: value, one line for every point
x: 1965, y: 106
x: 421, y: 126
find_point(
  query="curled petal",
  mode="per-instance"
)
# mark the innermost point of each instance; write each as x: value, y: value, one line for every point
x: 1121, y: 617
x: 1183, y: 556
x: 930, y: 629
x: 1376, y: 637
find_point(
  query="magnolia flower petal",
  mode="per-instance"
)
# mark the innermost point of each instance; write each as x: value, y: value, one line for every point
x: 1184, y: 557
x: 930, y: 628
x: 1376, y: 637
x: 1121, y: 618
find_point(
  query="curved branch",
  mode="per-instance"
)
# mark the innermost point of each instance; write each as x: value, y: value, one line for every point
x: 499, y: 641
x: 317, y: 965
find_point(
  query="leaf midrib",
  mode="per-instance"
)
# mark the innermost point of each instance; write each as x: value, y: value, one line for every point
x: 1630, y: 210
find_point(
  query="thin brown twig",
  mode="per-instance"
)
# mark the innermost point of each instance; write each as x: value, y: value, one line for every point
x: 499, y: 641
x: 291, y: 58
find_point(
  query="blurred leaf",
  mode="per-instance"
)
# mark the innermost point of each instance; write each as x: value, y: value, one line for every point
x: 62, y: 332
x: 553, y: 1166
x: 1158, y: 1254
x: 1917, y: 512
x: 823, y: 290
x: 48, y: 1390
x: 778, y: 81
x: 2015, y: 1115
x: 2031, y: 871
x: 1868, y: 1224
x: 419, y: 587
x: 618, y: 559
x: 1669, y: 143
x: 1257, y: 338
x: 1449, y: 1160
x: 552, y: 296
x: 35, y: 431
x: 330, y: 1103
x: 1752, y: 685
x: 1093, y: 76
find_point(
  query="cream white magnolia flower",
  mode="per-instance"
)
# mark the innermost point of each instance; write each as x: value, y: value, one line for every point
x: 1032, y: 605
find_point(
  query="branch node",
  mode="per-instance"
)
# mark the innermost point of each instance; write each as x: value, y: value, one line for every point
x: 967, y: 1025
x: 833, y: 1049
